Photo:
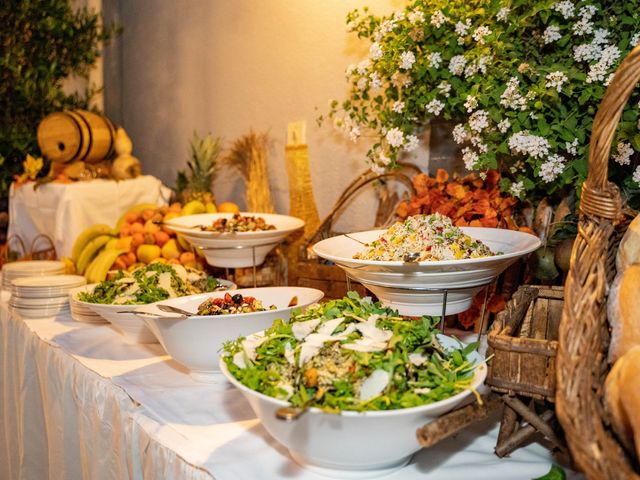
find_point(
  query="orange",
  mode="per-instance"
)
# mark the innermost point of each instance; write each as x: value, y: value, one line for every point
x: 228, y: 207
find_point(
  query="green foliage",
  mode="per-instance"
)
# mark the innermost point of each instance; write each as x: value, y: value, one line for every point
x: 42, y: 43
x: 524, y: 79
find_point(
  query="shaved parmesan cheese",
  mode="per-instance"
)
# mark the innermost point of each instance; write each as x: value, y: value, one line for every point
x: 289, y: 353
x: 164, y: 282
x: 238, y: 360
x: 417, y: 359
x: 302, y: 329
x: 287, y: 387
x: 308, y: 351
x: 330, y: 325
x: 150, y: 273
x: 374, y: 384
x: 369, y: 330
x: 422, y: 391
x: 123, y: 299
x: 251, y: 343
x: 365, y: 345
x: 181, y: 272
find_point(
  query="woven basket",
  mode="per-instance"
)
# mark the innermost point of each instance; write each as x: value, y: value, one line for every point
x: 584, y: 332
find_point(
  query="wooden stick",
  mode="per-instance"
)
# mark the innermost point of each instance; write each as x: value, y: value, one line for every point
x: 451, y: 423
x: 507, y: 445
x: 533, y: 419
x: 509, y: 424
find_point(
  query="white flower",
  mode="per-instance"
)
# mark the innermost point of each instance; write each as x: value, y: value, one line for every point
x: 583, y: 27
x: 417, y: 16
x: 438, y: 18
x: 435, y: 106
x: 400, y: 80
x: 385, y: 27
x: 456, y: 64
x: 461, y: 29
x: 481, y: 32
x: 553, y: 167
x: 511, y: 97
x: 517, y: 189
x: 354, y: 132
x: 586, y: 52
x: 435, y: 59
x: 571, y: 147
x: 598, y: 70
x: 600, y: 36
x: 378, y: 169
x: 533, y: 145
x: 411, y: 143
x: 407, y: 59
x: 504, y: 125
x: 477, y: 142
x: 469, y: 157
x: 565, y: 8
x: 551, y: 34
x: 395, y: 137
x: 636, y: 175
x: 471, y: 103
x: 587, y: 11
x: 483, y: 62
x: 444, y: 88
x: 375, y: 51
x: 375, y: 80
x: 556, y: 80
x: 479, y: 120
x: 398, y: 106
x: 362, y: 83
x: 363, y: 66
x: 635, y: 40
x: 623, y: 153
x: 460, y: 135
x: 470, y: 69
x: 350, y: 69
x: 383, y: 159
x: 503, y: 14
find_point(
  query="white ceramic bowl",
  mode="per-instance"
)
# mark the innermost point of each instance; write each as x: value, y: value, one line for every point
x: 353, y: 444
x: 233, y: 250
x: 417, y: 288
x: 195, y: 341
x: 130, y: 325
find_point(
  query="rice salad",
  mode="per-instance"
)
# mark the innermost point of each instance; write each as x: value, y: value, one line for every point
x: 433, y: 237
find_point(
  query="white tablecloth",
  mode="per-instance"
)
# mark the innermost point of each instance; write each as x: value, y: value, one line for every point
x: 76, y: 402
x: 62, y: 210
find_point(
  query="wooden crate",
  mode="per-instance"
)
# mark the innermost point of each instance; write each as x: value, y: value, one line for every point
x: 328, y: 278
x: 524, y: 344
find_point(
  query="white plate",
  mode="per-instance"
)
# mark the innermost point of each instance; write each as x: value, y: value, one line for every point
x: 233, y: 250
x: 195, y: 341
x: 417, y: 288
x: 34, y: 313
x: 38, y: 302
x: 49, y: 281
x: 31, y: 267
x: 353, y: 444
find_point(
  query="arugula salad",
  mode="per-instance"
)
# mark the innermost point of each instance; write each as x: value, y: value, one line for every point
x: 351, y: 354
x: 150, y: 283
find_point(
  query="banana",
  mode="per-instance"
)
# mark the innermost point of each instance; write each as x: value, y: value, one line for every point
x: 90, y: 251
x: 136, y: 209
x: 86, y: 236
x: 102, y: 263
x: 112, y: 243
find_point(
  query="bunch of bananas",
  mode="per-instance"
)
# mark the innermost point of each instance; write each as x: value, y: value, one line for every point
x: 94, y: 251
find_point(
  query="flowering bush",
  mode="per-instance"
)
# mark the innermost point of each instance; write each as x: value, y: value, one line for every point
x: 524, y: 79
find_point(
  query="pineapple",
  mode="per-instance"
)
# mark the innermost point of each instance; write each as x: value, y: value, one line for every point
x: 195, y: 182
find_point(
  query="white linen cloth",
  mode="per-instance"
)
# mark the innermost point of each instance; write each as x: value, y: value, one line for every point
x: 77, y: 402
x: 63, y: 210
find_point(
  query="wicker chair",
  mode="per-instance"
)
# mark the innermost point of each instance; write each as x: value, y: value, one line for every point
x: 584, y: 331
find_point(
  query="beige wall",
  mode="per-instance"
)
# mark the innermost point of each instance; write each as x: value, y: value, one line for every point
x: 228, y: 66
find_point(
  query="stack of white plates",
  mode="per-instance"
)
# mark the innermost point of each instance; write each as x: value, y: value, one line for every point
x: 44, y: 295
x: 30, y: 268
x: 79, y: 311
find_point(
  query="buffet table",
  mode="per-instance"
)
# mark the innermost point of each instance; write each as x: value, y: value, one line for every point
x: 77, y: 402
x: 62, y: 210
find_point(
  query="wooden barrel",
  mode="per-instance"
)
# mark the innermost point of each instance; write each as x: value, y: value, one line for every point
x: 76, y: 135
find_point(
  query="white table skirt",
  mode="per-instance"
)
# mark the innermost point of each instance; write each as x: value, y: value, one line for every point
x: 63, y: 210
x: 76, y: 402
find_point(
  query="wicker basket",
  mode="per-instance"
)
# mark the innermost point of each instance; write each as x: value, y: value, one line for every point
x: 584, y: 332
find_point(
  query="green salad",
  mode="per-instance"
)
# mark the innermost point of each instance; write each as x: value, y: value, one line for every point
x: 351, y: 354
x: 151, y: 283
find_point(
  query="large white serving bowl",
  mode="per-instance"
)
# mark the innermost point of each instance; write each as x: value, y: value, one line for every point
x: 353, y: 444
x: 418, y: 288
x: 195, y: 341
x: 233, y: 250
x: 130, y: 325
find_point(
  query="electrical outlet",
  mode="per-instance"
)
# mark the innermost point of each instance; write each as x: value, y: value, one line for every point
x: 297, y: 133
